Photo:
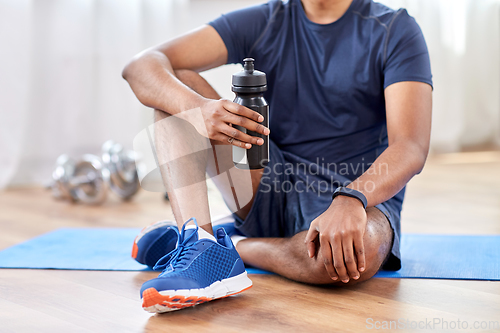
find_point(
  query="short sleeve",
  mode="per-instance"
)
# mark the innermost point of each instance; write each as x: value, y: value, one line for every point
x: 406, y: 57
x: 241, y: 29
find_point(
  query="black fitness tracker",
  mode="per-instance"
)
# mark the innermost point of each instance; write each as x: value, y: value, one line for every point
x: 350, y: 193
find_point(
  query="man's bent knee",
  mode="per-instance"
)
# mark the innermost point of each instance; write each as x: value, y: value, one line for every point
x: 377, y: 240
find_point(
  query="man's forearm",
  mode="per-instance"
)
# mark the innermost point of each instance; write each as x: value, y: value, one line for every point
x: 151, y: 77
x: 390, y: 172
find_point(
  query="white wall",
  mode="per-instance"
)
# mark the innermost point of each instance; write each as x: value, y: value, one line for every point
x: 61, y: 89
x: 463, y: 37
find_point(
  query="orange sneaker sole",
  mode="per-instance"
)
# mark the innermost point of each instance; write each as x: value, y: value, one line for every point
x: 154, y: 302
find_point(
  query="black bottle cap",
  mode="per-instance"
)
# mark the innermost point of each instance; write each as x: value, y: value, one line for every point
x: 249, y: 80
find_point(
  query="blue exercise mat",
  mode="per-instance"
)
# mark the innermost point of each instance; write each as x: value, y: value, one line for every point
x: 424, y: 256
x: 76, y: 248
x: 448, y: 257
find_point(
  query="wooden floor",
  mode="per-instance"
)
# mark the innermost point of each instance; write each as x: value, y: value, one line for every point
x: 456, y: 194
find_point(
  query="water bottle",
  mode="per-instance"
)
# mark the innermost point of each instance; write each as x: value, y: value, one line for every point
x: 249, y: 86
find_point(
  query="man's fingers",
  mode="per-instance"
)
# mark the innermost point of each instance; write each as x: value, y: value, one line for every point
x: 359, y: 249
x: 338, y: 258
x: 350, y: 262
x: 249, y: 124
x: 240, y: 136
x: 311, y: 235
x: 232, y: 141
x: 311, y: 249
x: 326, y: 254
x: 243, y: 111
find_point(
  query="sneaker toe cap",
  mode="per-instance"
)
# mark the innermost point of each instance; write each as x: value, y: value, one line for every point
x: 155, y: 244
x: 173, y: 283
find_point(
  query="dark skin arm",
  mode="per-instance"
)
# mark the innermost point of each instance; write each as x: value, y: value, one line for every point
x: 341, y: 227
x: 151, y: 75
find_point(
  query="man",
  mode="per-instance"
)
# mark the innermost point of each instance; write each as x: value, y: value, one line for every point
x: 349, y: 88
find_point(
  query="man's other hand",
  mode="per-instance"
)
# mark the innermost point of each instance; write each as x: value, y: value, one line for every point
x: 340, y: 230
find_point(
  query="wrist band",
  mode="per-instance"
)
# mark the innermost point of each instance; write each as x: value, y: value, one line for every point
x: 350, y: 193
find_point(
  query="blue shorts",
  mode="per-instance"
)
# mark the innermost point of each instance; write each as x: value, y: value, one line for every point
x: 293, y: 192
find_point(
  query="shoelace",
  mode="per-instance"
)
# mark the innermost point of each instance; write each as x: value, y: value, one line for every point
x: 181, y: 254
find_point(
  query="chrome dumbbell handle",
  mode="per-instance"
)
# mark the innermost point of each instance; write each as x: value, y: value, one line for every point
x: 79, y: 181
x: 83, y: 179
x: 123, y: 179
x: 93, y: 187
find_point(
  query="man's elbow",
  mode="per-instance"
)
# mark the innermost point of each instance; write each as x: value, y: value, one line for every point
x: 130, y: 68
x: 420, y: 152
x: 137, y: 64
x: 126, y: 71
x: 134, y: 73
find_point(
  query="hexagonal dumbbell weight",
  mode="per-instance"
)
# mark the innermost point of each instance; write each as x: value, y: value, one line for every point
x: 88, y: 180
x: 79, y: 181
x: 120, y: 164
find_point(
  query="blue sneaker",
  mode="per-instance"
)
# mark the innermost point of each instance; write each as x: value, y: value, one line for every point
x: 154, y: 241
x: 160, y: 238
x: 196, y: 271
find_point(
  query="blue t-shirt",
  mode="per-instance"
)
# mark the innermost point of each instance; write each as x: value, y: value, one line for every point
x: 326, y: 81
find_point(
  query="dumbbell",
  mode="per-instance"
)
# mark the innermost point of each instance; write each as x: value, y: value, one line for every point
x: 79, y: 181
x: 88, y: 180
x: 123, y: 179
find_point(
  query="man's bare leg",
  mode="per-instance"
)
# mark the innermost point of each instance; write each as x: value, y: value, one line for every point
x: 182, y: 155
x: 288, y: 256
x: 184, y: 177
